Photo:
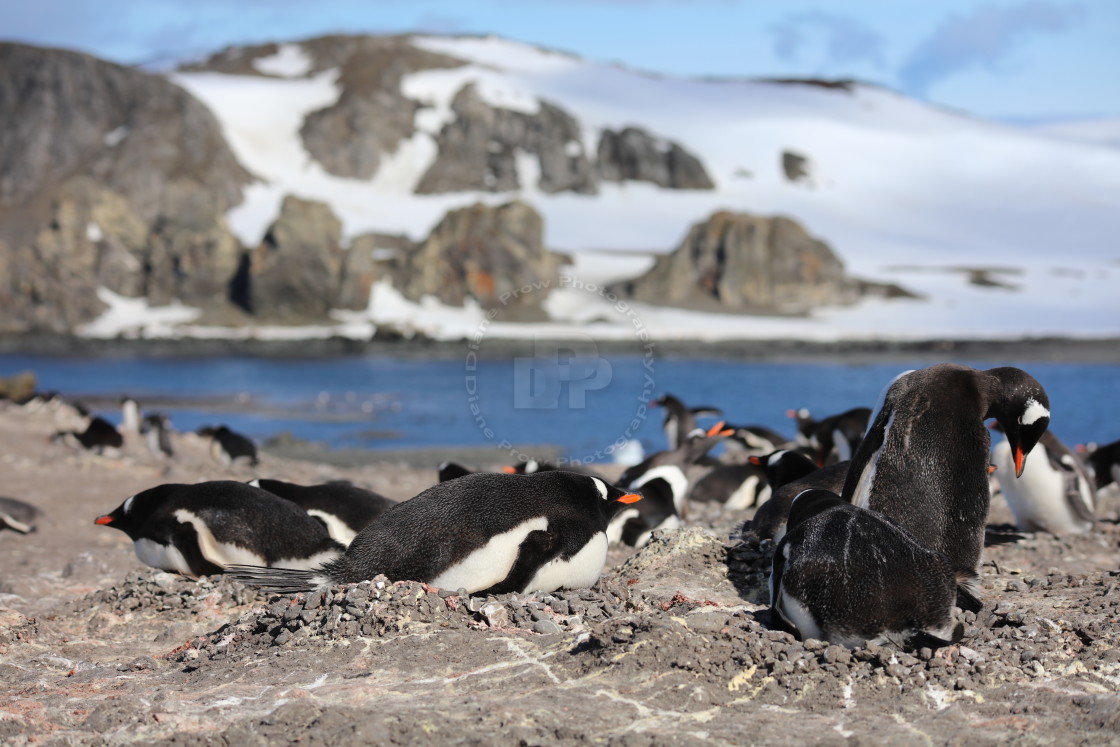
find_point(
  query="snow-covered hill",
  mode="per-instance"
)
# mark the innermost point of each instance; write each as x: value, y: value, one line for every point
x: 903, y: 192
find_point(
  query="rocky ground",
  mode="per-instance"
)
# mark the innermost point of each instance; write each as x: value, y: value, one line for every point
x: 673, y: 646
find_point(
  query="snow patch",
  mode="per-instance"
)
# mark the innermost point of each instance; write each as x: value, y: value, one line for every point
x: 290, y: 61
x: 134, y: 317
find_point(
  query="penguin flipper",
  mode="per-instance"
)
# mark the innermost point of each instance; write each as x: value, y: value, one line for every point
x: 9, y: 522
x: 279, y: 580
x: 538, y: 547
x: 966, y: 599
x: 185, y: 540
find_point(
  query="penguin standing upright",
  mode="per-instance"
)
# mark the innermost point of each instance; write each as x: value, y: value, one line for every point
x: 156, y: 427
x: 486, y: 532
x: 344, y: 509
x: 203, y: 528
x: 1055, y: 494
x: 924, y: 460
x: 837, y: 437
x: 680, y: 420
x: 847, y: 575
x: 130, y: 416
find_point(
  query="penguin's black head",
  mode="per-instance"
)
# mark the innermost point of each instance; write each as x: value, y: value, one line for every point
x: 134, y: 512
x: 607, y: 499
x: 1023, y: 411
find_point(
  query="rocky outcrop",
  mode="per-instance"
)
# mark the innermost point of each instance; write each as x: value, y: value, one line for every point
x: 108, y: 177
x: 795, y: 166
x: 478, y: 149
x: 486, y: 254
x: 68, y: 114
x: 635, y: 155
x: 294, y: 273
x: 744, y: 263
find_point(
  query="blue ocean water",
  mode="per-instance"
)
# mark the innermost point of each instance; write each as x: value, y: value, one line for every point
x: 580, y: 405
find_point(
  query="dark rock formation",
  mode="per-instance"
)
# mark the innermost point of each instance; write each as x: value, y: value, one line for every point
x: 294, y: 273
x: 635, y: 155
x: 108, y: 176
x: 795, y: 166
x: 478, y: 149
x: 67, y: 114
x: 740, y: 262
x: 485, y: 253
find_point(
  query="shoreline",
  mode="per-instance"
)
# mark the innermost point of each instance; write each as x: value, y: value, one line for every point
x: 1086, y: 350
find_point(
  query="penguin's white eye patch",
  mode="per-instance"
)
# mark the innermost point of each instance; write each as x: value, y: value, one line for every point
x: 128, y: 504
x: 1033, y: 412
x: 602, y: 486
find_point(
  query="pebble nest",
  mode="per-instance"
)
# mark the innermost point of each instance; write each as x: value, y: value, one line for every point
x: 1066, y: 627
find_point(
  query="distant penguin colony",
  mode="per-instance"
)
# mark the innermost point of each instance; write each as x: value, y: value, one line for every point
x: 201, y: 529
x: 875, y: 516
x: 488, y: 533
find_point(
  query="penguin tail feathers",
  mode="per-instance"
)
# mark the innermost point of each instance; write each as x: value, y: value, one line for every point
x: 278, y: 580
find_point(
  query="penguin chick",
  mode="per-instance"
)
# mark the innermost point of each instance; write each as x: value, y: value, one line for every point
x: 847, y: 575
x: 489, y: 533
x: 201, y: 529
x: 342, y: 508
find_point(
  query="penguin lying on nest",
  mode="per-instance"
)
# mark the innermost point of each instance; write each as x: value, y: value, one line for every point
x: 488, y: 533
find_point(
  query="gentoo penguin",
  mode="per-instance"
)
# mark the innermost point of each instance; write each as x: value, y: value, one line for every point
x: 201, y: 529
x: 130, y: 416
x: 18, y: 516
x: 924, y: 460
x: 99, y: 436
x: 790, y: 473
x: 663, y: 482
x: 344, y: 509
x: 489, y: 533
x: 680, y: 420
x: 156, y: 427
x: 735, y: 486
x: 1055, y: 494
x: 805, y: 424
x: 451, y: 470
x: 838, y: 436
x: 228, y: 445
x: 847, y: 575
x: 755, y: 440
x: 1103, y: 461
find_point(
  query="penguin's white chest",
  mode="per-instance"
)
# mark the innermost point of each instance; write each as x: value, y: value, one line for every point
x: 579, y: 571
x: 1038, y: 497
x: 490, y: 563
x: 164, y: 557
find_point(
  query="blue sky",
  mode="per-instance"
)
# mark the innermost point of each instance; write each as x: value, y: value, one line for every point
x: 1015, y: 60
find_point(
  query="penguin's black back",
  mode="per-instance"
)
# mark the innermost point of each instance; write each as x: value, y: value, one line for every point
x: 100, y: 434
x: 860, y: 575
x: 234, y: 513
x: 924, y: 460
x: 1105, y: 463
x: 722, y: 482
x: 427, y: 534
x: 354, y: 506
